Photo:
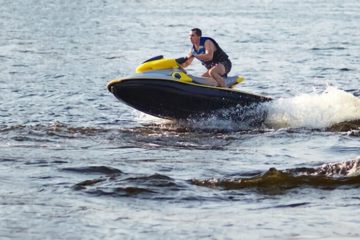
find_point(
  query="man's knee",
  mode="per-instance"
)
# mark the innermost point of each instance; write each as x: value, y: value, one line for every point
x: 213, y: 71
x: 206, y: 74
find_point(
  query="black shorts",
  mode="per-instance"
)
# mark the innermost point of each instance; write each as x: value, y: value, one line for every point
x: 227, y: 64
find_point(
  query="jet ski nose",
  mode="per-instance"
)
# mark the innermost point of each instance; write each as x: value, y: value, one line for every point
x: 109, y: 86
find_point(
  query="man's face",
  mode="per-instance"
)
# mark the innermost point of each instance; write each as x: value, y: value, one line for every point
x: 193, y: 37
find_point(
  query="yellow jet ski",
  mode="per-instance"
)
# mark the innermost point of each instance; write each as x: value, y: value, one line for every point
x: 162, y: 88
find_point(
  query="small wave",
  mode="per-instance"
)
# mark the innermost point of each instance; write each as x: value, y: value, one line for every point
x: 327, y: 176
x: 327, y: 48
x: 313, y: 110
x: 157, y: 186
x: 120, y: 192
x: 127, y: 185
x: 84, y: 184
x: 176, y: 135
x: 114, y: 57
x: 94, y: 169
x: 150, y: 135
x: 348, y: 126
x: 346, y: 69
x: 55, y: 128
x: 53, y: 135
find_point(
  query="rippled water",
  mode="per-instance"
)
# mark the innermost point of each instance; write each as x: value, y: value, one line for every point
x: 77, y: 164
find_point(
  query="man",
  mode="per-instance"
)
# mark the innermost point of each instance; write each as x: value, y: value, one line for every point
x: 209, y: 53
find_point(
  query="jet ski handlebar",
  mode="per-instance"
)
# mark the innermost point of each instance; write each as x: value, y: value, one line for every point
x: 181, y: 60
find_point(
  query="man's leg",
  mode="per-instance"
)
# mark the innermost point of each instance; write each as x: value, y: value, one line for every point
x: 210, y: 81
x: 216, y: 72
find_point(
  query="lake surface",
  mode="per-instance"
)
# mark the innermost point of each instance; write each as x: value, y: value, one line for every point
x: 75, y: 163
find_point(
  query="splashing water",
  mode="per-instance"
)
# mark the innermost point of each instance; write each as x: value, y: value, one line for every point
x: 231, y: 119
x: 313, y: 110
x: 346, y: 168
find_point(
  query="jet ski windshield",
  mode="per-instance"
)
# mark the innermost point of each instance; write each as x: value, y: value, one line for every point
x: 154, y: 58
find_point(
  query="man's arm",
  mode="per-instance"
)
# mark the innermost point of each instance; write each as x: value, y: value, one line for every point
x: 189, y: 59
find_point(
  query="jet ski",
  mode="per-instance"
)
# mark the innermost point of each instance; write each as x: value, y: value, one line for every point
x: 162, y: 88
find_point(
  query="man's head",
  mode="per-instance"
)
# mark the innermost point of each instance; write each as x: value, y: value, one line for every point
x: 195, y: 35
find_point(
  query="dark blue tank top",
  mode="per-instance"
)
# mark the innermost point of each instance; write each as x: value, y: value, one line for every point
x: 219, y: 54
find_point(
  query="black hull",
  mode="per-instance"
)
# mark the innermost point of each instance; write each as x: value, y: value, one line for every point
x: 177, y: 100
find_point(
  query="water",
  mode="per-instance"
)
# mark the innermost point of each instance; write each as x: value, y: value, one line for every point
x: 77, y: 164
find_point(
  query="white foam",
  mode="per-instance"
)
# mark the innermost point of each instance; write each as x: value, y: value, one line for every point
x: 146, y: 118
x: 349, y: 168
x: 355, y: 170
x: 315, y: 110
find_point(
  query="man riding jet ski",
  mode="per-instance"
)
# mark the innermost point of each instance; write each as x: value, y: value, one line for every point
x: 162, y: 88
x: 209, y: 53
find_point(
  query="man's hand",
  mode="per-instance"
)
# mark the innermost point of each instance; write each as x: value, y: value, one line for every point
x: 181, y: 60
